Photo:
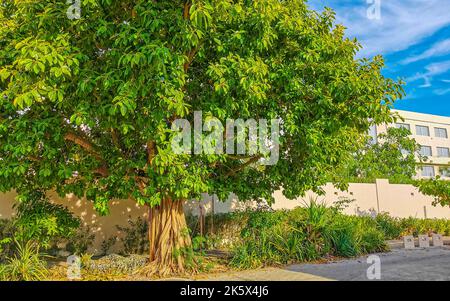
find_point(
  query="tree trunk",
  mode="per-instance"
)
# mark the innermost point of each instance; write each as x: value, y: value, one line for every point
x: 169, y: 238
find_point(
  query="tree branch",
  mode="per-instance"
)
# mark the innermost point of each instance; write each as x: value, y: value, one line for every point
x: 242, y: 166
x: 84, y: 143
x: 151, y: 152
x: 186, y: 8
x: 190, y: 55
x: 89, y: 147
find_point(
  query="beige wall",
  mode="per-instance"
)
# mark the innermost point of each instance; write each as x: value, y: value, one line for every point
x: 398, y: 200
x: 365, y: 194
x: 103, y: 227
x: 6, y: 205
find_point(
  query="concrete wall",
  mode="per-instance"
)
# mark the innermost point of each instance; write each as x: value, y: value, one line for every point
x: 6, y: 205
x: 103, y: 227
x: 398, y: 200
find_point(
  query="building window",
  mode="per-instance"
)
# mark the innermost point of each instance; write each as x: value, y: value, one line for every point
x: 422, y: 130
x: 425, y: 151
x: 427, y: 171
x: 444, y: 172
x: 440, y: 132
x: 405, y: 152
x: 403, y: 126
x: 443, y: 152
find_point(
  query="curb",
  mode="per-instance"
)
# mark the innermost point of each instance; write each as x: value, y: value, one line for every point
x: 398, y: 244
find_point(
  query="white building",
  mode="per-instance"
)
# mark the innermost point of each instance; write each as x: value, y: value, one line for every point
x: 432, y: 133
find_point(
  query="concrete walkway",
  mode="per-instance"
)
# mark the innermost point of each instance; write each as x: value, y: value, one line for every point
x: 418, y: 264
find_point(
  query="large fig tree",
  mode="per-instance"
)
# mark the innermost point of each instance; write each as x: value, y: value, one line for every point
x: 90, y: 89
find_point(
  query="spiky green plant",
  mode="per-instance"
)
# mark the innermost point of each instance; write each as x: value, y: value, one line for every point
x: 25, y: 265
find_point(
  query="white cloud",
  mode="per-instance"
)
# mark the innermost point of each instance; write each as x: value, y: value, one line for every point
x: 441, y: 92
x: 403, y: 23
x: 438, y: 68
x: 438, y: 49
x: 431, y: 71
x: 427, y: 82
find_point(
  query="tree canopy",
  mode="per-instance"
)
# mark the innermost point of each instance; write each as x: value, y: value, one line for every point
x: 437, y: 188
x: 393, y: 155
x: 87, y: 104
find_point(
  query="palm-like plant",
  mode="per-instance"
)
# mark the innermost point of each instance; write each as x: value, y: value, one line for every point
x: 25, y: 265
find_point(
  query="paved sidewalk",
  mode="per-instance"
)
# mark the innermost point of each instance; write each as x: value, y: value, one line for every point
x: 431, y: 264
x: 400, y: 264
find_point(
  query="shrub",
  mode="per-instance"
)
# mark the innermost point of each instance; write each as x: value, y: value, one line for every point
x: 107, y: 244
x: 135, y: 238
x: 415, y: 226
x: 7, y: 231
x: 25, y: 265
x: 390, y: 226
x: 343, y: 234
x: 304, y: 234
x: 224, y: 233
x: 80, y: 241
x: 316, y: 231
x: 395, y: 228
x: 371, y: 237
x: 41, y: 221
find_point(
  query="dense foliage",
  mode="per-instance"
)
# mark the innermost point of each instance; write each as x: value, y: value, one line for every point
x: 438, y: 188
x: 41, y: 221
x: 7, y: 231
x: 87, y: 103
x: 394, y: 156
x: 304, y: 234
x: 133, y: 237
x: 38, y: 225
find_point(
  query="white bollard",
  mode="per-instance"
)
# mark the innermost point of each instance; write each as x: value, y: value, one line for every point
x: 408, y: 242
x: 424, y: 241
x: 437, y: 240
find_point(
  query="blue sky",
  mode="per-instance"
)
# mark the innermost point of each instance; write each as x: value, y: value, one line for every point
x: 414, y: 38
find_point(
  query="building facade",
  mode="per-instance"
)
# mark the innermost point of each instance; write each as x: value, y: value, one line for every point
x: 432, y: 133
